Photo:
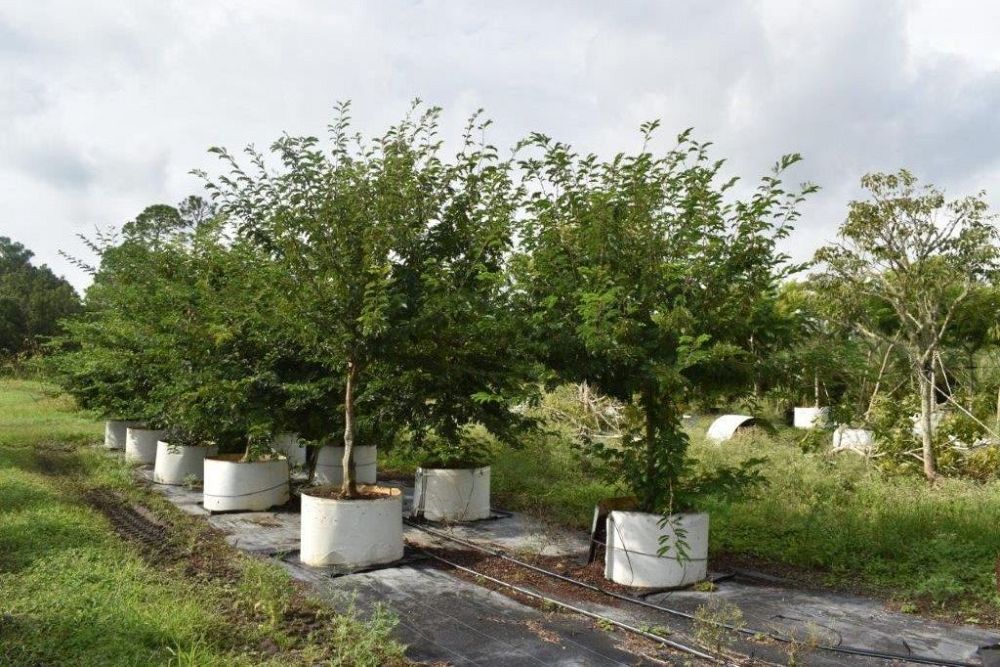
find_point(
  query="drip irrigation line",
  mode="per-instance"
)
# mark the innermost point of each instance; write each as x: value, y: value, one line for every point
x: 846, y: 650
x: 242, y: 495
x: 604, y: 619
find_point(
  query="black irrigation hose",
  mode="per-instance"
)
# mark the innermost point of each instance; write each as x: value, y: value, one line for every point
x: 243, y: 495
x: 604, y: 619
x: 847, y: 650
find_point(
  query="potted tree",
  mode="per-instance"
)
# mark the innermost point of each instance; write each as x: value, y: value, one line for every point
x: 180, y: 457
x: 635, y: 272
x: 233, y: 387
x: 114, y: 357
x: 333, y: 221
x: 453, y: 480
x: 349, y: 227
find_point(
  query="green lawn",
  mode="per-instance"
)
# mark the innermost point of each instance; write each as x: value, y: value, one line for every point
x: 827, y: 519
x: 72, y: 592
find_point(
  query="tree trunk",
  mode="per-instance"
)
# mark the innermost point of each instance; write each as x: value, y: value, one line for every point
x: 816, y: 388
x: 998, y: 410
x: 349, y: 488
x: 649, y: 408
x: 926, y: 381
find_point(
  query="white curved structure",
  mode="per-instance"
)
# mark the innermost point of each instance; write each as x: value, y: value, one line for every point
x: 810, y: 417
x: 289, y: 445
x: 452, y: 494
x: 355, y: 533
x: 140, y: 444
x: 632, y: 559
x: 232, y: 484
x: 725, y: 427
x: 178, y: 464
x: 115, y: 432
x: 330, y: 464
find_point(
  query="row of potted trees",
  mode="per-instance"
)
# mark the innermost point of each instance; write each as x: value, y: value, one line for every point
x: 333, y: 532
x: 367, y: 292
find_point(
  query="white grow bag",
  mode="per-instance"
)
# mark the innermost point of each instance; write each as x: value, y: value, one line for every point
x: 231, y: 484
x: 140, y: 445
x: 177, y: 464
x: 810, y: 417
x: 853, y: 439
x: 288, y: 444
x: 330, y: 464
x: 633, y: 544
x: 452, y: 494
x: 354, y: 533
x: 115, y: 432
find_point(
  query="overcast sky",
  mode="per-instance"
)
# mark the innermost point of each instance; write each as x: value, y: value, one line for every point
x: 106, y: 106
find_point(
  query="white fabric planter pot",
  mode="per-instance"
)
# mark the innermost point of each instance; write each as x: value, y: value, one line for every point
x: 178, y: 465
x: 140, y: 445
x: 810, y: 417
x: 115, y: 432
x: 330, y: 464
x: 355, y: 533
x: 632, y: 559
x: 452, y: 494
x: 288, y: 444
x: 918, y: 423
x: 855, y: 439
x: 231, y: 484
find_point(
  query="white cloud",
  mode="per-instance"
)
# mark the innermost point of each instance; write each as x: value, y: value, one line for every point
x: 106, y: 106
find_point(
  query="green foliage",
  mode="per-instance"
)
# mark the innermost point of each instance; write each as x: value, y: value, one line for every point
x: 32, y: 300
x: 398, y: 257
x: 472, y: 448
x: 918, y: 256
x: 638, y: 274
x: 179, y: 331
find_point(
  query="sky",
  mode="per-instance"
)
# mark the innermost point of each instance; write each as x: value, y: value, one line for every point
x: 106, y: 107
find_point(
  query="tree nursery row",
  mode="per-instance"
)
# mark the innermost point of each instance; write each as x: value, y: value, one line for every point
x: 331, y: 299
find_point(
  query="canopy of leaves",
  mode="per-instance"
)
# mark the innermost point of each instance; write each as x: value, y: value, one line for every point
x: 638, y: 273
x: 32, y: 300
x: 394, y: 262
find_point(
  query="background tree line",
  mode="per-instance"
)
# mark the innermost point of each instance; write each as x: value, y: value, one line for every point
x: 32, y: 300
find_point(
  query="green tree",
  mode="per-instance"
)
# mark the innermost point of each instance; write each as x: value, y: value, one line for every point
x: 634, y: 269
x: 394, y: 260
x: 919, y: 255
x: 33, y: 298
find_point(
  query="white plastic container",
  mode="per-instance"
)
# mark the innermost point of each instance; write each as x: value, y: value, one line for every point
x: 854, y: 439
x: 115, y: 432
x: 632, y: 559
x: 289, y: 445
x: 140, y: 445
x: 330, y: 464
x: 231, y: 484
x: 811, y: 417
x: 354, y: 533
x: 452, y: 494
x: 178, y: 464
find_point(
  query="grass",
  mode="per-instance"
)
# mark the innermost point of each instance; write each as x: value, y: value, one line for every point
x: 73, y: 592
x: 829, y: 520
x: 929, y: 548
